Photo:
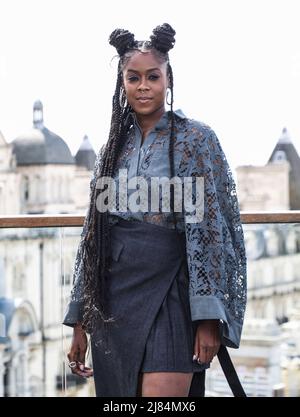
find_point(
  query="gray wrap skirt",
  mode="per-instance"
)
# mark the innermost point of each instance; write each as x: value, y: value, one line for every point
x: 148, y: 296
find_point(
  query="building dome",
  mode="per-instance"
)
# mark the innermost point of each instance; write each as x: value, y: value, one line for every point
x: 85, y: 155
x: 40, y: 145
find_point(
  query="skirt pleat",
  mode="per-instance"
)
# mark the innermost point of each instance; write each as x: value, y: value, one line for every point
x: 169, y: 347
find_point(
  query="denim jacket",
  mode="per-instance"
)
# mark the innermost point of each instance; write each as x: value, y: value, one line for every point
x: 214, y: 245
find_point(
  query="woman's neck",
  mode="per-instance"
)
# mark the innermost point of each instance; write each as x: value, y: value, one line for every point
x: 147, y: 122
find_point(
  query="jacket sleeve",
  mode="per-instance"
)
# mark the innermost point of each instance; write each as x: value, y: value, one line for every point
x: 74, y: 309
x: 215, y: 244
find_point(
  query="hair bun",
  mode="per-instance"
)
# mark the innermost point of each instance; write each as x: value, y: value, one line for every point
x: 122, y: 40
x: 163, y: 38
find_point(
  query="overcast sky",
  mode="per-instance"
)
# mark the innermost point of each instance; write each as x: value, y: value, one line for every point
x: 236, y: 67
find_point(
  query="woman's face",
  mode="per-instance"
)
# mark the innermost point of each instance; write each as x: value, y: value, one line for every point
x: 145, y: 82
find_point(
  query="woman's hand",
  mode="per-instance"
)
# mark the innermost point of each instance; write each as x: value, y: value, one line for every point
x: 207, y: 341
x: 77, y: 353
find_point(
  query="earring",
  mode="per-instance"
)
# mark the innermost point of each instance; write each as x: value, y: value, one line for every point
x: 167, y: 96
x: 122, y: 98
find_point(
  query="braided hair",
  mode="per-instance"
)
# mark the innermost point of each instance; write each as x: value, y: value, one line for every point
x: 96, y: 255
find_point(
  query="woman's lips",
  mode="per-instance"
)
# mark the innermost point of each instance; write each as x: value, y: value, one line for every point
x: 144, y: 99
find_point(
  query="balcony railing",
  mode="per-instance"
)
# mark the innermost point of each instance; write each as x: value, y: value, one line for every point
x: 69, y: 220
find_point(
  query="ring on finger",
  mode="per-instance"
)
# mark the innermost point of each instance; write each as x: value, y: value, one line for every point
x: 72, y: 364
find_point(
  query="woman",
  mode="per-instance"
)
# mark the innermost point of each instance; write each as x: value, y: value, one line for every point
x: 159, y: 287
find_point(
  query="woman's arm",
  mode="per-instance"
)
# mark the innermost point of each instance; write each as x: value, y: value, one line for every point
x: 215, y: 246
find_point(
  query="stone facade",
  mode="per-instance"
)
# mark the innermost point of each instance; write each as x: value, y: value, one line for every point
x: 264, y: 188
x: 274, y: 186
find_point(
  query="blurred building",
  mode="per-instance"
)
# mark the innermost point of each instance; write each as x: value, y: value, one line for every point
x: 273, y: 254
x: 257, y: 362
x: 39, y: 175
x: 274, y: 186
x: 268, y: 361
x: 273, y: 251
x: 9, y: 179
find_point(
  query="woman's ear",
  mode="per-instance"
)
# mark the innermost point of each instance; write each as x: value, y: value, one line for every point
x: 168, y: 81
x: 123, y: 88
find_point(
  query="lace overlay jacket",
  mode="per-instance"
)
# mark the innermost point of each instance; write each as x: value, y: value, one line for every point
x: 214, y: 246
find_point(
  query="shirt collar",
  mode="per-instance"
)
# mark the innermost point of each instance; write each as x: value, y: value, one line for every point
x: 180, y: 114
x: 163, y: 121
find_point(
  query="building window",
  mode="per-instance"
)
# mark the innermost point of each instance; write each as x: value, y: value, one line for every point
x: 66, y: 274
x: 18, y: 279
x: 26, y: 188
x: 66, y: 279
x: 60, y: 189
x: 298, y: 242
x: 38, y: 189
x: 1, y: 201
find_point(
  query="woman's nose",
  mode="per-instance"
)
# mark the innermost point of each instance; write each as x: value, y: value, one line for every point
x: 143, y: 86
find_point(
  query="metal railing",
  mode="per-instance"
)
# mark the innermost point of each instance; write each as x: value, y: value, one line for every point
x: 70, y: 220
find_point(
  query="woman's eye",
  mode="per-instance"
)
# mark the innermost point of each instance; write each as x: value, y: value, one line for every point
x: 132, y: 79
x: 153, y: 77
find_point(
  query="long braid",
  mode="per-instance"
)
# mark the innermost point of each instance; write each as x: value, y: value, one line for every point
x: 96, y: 245
x: 171, y: 144
x: 98, y: 238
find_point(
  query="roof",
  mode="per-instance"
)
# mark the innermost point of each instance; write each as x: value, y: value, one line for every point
x: 285, y: 150
x: 86, y: 155
x: 39, y: 145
